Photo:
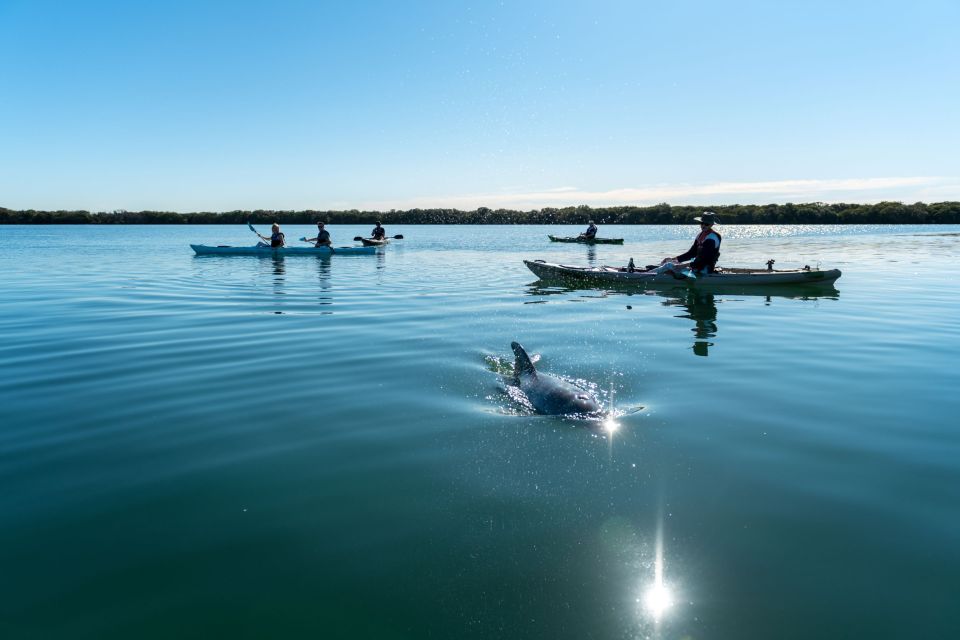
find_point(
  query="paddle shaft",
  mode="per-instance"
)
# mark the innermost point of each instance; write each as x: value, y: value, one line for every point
x: 359, y: 238
x: 250, y: 226
x: 328, y: 246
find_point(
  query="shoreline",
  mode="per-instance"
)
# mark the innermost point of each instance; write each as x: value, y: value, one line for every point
x: 662, y: 214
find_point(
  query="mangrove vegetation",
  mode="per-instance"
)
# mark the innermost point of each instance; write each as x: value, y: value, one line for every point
x: 810, y: 213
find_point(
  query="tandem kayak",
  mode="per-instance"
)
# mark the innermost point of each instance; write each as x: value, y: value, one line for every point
x: 586, y: 240
x: 723, y: 277
x: 371, y: 242
x: 223, y: 250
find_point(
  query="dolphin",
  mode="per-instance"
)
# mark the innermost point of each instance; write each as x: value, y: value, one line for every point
x: 549, y: 394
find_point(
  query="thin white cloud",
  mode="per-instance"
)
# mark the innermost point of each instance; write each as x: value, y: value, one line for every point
x: 906, y: 189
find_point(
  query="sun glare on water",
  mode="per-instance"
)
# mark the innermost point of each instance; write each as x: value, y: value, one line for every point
x: 610, y: 425
x: 658, y: 600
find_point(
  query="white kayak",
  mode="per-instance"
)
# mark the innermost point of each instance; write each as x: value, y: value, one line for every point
x: 723, y: 277
x: 223, y: 250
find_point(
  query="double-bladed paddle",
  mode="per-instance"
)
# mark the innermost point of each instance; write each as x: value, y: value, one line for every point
x: 360, y: 238
x: 255, y: 231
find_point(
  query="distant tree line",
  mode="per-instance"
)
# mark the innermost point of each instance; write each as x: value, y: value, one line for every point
x: 810, y: 213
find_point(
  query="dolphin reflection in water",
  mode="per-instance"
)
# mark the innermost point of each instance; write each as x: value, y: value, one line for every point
x: 549, y: 394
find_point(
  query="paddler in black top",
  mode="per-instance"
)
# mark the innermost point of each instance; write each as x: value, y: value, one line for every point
x: 276, y: 238
x: 378, y: 233
x: 705, y: 249
x: 323, y: 237
x: 590, y: 233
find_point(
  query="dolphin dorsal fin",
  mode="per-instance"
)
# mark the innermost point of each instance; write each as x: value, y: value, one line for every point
x: 522, y: 364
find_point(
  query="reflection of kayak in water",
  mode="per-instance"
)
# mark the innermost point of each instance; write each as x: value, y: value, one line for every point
x: 723, y: 277
x: 223, y: 250
x: 583, y: 240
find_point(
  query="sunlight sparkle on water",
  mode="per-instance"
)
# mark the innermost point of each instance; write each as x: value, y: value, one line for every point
x: 610, y: 425
x: 658, y: 600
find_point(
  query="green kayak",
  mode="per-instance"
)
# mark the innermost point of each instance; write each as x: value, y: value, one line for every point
x: 582, y: 240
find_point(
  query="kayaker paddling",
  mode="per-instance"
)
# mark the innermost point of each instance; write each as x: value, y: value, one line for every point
x: 323, y: 237
x: 705, y: 249
x: 584, y: 240
x: 276, y: 238
x: 590, y: 233
x: 378, y: 233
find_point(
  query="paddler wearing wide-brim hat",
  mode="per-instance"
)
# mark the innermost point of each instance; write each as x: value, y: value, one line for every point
x: 705, y: 250
x: 708, y: 218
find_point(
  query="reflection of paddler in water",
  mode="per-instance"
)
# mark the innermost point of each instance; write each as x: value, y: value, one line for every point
x: 279, y: 268
x: 279, y: 272
x: 702, y: 309
x: 323, y: 276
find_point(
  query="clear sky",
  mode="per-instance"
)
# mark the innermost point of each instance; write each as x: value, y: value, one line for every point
x: 289, y: 104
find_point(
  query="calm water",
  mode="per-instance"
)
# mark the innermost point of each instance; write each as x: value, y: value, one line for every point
x: 243, y: 447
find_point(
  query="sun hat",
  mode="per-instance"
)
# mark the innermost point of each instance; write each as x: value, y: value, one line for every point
x: 708, y: 217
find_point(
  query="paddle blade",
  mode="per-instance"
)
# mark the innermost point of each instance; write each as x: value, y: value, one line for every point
x: 304, y: 239
x: 398, y: 237
x: 357, y: 239
x: 251, y: 227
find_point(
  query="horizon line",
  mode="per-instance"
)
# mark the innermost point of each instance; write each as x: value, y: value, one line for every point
x: 863, y: 191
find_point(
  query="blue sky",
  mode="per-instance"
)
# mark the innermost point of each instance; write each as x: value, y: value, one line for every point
x: 191, y: 106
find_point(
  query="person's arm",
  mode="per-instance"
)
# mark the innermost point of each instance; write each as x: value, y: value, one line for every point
x: 690, y: 253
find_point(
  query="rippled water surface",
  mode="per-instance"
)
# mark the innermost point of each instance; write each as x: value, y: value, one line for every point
x: 303, y: 447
